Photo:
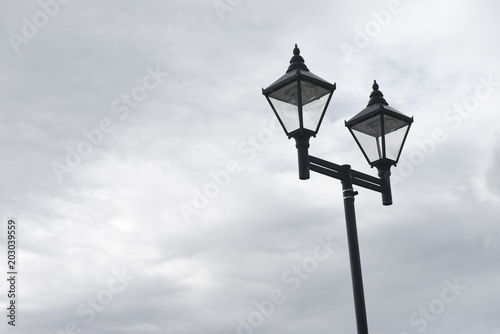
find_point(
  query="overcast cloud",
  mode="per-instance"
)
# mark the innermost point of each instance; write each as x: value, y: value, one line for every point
x: 154, y: 191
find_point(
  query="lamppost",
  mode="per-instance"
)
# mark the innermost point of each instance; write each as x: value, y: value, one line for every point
x: 300, y: 99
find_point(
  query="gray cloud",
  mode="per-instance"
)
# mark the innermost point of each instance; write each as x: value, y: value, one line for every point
x: 204, y: 138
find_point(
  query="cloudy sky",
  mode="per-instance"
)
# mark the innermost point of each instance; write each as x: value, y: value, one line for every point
x: 154, y: 192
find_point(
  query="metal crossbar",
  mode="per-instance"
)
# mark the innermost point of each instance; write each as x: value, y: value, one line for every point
x: 333, y: 170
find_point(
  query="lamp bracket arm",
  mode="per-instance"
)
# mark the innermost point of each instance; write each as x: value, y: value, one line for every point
x: 334, y: 170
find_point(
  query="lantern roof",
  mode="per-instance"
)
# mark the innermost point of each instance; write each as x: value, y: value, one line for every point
x: 377, y: 104
x: 298, y: 70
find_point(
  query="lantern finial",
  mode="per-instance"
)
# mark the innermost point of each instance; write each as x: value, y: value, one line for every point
x: 376, y: 96
x: 297, y: 62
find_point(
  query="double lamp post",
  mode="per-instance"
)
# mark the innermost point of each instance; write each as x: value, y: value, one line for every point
x: 300, y: 99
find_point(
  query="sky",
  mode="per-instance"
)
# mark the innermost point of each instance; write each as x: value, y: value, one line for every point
x: 153, y: 190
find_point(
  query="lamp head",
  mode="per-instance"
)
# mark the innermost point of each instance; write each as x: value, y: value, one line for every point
x: 380, y: 131
x: 299, y: 98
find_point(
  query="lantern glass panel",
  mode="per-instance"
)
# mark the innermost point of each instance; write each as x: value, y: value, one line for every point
x: 288, y: 114
x: 287, y: 94
x: 313, y: 110
x: 370, y: 145
x: 285, y: 101
x: 394, y: 142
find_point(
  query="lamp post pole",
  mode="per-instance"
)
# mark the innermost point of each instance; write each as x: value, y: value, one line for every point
x: 354, y: 257
x: 348, y: 177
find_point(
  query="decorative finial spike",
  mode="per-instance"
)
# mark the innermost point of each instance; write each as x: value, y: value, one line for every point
x: 297, y: 62
x: 376, y: 96
x: 296, y: 51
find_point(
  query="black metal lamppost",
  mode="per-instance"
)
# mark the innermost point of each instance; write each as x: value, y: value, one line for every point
x: 300, y: 99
